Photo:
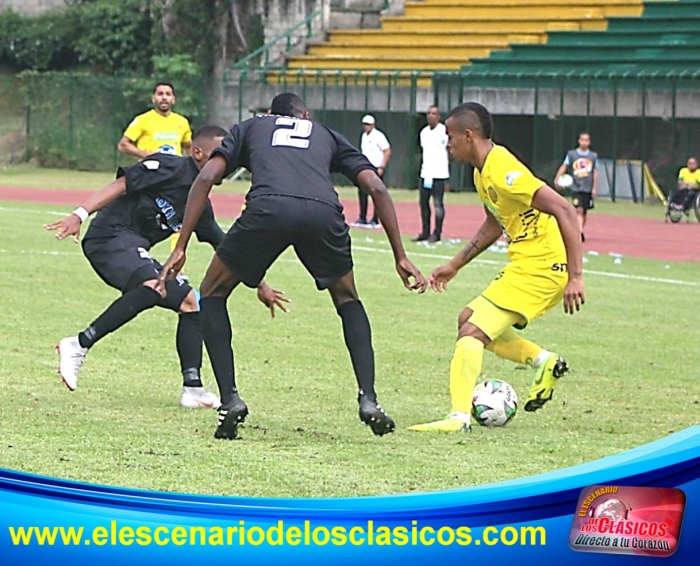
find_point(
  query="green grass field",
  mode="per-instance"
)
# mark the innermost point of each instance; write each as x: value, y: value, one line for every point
x: 633, y: 379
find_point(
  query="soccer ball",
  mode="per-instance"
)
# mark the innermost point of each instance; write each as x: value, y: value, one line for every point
x: 565, y: 181
x: 494, y: 403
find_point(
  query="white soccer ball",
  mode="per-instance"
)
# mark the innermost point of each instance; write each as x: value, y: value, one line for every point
x: 494, y: 403
x: 565, y: 181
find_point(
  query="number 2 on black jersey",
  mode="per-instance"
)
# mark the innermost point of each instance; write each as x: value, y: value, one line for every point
x: 292, y: 133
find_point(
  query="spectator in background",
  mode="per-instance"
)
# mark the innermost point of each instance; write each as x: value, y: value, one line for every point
x: 434, y: 173
x: 159, y: 130
x: 688, y: 185
x: 582, y: 164
x: 376, y: 148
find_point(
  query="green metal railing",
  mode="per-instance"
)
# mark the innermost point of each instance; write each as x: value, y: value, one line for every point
x: 253, y: 60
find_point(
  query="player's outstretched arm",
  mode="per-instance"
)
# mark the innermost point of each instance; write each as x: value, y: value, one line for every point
x: 369, y: 182
x: 70, y: 225
x: 211, y: 173
x: 488, y: 233
x: 549, y: 201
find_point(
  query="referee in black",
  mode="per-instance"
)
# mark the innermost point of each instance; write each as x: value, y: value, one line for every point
x: 143, y: 206
x: 292, y: 203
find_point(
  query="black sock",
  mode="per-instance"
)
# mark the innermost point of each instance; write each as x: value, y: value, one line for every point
x: 217, y: 334
x: 189, y: 348
x: 118, y: 314
x: 358, y: 339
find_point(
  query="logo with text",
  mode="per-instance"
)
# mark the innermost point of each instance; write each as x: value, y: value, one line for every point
x: 642, y: 521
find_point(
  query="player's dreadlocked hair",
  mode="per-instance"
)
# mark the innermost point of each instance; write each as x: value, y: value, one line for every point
x: 288, y: 104
x: 475, y: 117
x: 209, y: 132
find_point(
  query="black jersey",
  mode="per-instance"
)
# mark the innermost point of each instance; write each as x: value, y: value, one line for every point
x: 292, y: 157
x: 154, y: 204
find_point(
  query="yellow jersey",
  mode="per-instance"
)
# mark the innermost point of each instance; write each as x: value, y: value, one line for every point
x: 506, y: 188
x: 685, y: 175
x: 155, y: 133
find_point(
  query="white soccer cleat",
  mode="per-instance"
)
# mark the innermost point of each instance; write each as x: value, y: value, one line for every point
x: 198, y: 397
x: 71, y: 356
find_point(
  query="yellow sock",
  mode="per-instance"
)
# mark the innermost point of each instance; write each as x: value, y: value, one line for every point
x: 511, y: 346
x: 173, y: 240
x: 464, y: 371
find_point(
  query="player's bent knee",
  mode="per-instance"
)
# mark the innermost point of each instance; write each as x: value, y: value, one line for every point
x: 473, y: 331
x: 464, y: 317
x: 176, y: 295
x: 489, y: 320
x: 190, y: 303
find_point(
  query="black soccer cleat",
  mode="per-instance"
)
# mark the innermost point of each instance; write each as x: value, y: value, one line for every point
x: 375, y: 418
x: 230, y: 416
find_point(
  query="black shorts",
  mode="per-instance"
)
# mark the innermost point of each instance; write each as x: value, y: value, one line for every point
x: 582, y: 200
x: 270, y: 224
x: 124, y: 262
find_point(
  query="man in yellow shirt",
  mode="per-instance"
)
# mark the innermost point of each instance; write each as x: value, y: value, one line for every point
x: 546, y: 266
x: 688, y: 187
x: 159, y: 130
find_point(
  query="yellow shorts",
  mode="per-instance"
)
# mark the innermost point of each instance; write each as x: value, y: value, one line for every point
x: 529, y: 287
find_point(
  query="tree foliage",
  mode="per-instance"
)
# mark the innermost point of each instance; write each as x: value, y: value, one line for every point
x: 126, y: 36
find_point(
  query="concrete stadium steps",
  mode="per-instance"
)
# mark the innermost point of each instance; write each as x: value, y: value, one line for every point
x: 656, y: 24
x: 361, y: 78
x: 503, y: 25
x: 524, y: 9
x: 627, y: 39
x: 418, y: 38
x: 575, y: 55
x: 436, y: 50
x: 441, y: 35
x: 663, y: 39
x: 559, y: 3
x: 624, y: 65
x: 351, y: 61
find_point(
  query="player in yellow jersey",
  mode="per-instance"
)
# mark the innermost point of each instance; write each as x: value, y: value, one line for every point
x: 546, y: 267
x: 159, y: 130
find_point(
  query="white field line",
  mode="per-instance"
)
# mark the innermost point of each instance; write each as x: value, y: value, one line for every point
x: 586, y: 271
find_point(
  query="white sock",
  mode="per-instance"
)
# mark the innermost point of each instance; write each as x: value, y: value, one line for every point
x: 464, y: 417
x: 544, y: 355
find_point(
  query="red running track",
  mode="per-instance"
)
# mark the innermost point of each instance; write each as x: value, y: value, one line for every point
x: 634, y: 237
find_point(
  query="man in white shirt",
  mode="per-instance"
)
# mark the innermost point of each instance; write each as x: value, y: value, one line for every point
x: 434, y: 173
x: 376, y: 148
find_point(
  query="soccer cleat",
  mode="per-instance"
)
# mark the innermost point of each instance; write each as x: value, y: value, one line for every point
x: 71, y: 356
x: 420, y: 238
x: 230, y: 416
x: 546, y: 378
x: 454, y: 422
x: 372, y: 414
x: 195, y: 397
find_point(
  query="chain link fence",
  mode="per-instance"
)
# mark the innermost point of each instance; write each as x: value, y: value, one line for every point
x: 75, y: 121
